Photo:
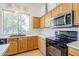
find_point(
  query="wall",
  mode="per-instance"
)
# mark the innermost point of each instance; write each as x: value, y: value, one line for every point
x: 50, y: 6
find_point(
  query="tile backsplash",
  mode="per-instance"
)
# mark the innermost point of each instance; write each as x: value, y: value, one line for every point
x: 51, y: 32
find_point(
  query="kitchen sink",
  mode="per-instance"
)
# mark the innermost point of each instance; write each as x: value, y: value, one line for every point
x: 17, y: 35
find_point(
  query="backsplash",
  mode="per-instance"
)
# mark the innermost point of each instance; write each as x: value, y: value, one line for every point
x: 51, y: 32
x: 48, y: 32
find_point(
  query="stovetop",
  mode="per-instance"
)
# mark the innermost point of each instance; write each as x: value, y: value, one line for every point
x: 59, y: 41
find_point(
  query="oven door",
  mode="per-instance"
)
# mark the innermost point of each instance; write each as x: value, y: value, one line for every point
x: 52, y: 51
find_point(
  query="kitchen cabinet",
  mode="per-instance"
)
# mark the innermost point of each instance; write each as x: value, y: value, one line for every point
x: 66, y: 7
x: 73, y: 52
x: 42, y: 45
x: 59, y: 9
x: 32, y: 42
x: 12, y: 49
x: 54, y: 12
x: 42, y: 22
x: 47, y: 19
x: 76, y: 13
x: 35, y: 42
x: 22, y: 44
x: 36, y: 22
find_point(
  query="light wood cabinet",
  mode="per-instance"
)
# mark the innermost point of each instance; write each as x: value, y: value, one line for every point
x: 36, y: 22
x: 66, y: 7
x: 13, y: 46
x: 73, y: 52
x: 47, y: 19
x: 54, y: 12
x: 35, y: 42
x: 76, y: 13
x: 29, y: 43
x: 42, y: 45
x: 32, y: 42
x: 59, y: 9
x: 42, y: 22
x: 22, y: 44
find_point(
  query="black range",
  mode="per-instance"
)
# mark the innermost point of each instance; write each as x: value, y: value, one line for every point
x: 58, y: 46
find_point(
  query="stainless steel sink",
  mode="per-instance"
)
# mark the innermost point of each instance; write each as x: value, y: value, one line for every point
x: 17, y: 35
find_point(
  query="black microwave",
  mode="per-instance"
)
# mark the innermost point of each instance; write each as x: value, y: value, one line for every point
x: 63, y: 20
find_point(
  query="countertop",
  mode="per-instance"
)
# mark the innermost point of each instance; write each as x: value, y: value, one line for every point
x: 74, y: 45
x: 43, y: 36
x: 3, y: 48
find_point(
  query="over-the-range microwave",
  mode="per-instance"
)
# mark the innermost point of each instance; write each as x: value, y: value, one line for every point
x: 62, y: 20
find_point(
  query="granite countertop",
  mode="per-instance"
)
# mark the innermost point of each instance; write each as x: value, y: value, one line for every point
x: 3, y: 49
x: 74, y: 45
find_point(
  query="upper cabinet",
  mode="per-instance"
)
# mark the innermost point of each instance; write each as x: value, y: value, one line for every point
x: 36, y: 22
x: 54, y: 12
x: 42, y: 22
x: 47, y: 19
x: 76, y: 13
x: 66, y: 7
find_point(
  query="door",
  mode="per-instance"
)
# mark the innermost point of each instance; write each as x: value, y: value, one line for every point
x: 66, y: 7
x: 13, y: 46
x: 36, y: 22
x: 76, y: 13
x: 47, y: 19
x: 35, y: 42
x: 29, y: 43
x: 22, y: 44
x: 42, y: 22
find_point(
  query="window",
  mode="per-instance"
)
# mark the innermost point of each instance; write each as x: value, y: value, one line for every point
x: 23, y: 23
x: 14, y: 23
x: 10, y: 23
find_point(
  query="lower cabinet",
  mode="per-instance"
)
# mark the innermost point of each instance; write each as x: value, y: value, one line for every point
x: 73, y: 52
x: 32, y: 42
x: 21, y: 44
x: 42, y: 45
x: 13, y: 46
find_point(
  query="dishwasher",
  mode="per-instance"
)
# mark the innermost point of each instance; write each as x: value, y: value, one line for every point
x: 3, y: 41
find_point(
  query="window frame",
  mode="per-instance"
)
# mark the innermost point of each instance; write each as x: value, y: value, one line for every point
x: 17, y: 13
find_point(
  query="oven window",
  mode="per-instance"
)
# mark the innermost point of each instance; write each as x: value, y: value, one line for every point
x: 53, y: 51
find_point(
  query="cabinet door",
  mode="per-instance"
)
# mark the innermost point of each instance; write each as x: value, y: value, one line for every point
x: 47, y: 19
x: 22, y: 44
x: 54, y: 12
x: 42, y: 45
x: 36, y: 22
x: 35, y: 41
x: 42, y: 22
x: 29, y: 43
x: 76, y: 13
x: 73, y: 52
x: 59, y: 9
x: 66, y: 7
x: 13, y: 46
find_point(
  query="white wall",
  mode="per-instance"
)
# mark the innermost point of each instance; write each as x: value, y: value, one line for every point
x: 50, y: 6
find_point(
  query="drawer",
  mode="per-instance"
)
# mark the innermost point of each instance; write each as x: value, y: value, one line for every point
x: 73, y: 52
x: 12, y: 40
